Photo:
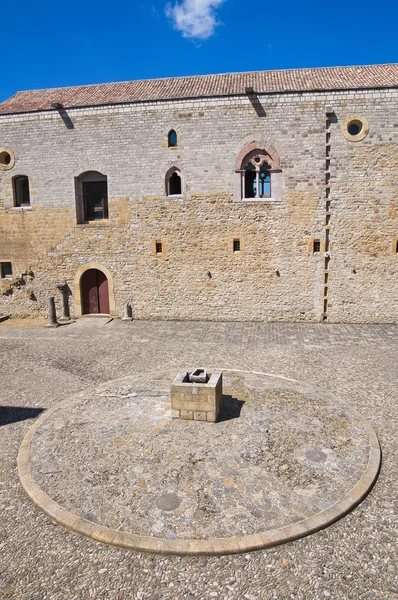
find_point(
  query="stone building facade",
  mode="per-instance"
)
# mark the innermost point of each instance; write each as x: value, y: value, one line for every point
x: 267, y: 196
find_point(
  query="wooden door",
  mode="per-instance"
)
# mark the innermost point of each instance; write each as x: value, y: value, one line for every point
x: 95, y: 293
x: 103, y: 293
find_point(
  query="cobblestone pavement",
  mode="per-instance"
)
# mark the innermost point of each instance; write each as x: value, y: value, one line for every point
x: 280, y: 454
x: 356, y: 558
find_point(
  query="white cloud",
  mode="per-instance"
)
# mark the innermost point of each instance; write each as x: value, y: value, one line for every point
x: 194, y: 18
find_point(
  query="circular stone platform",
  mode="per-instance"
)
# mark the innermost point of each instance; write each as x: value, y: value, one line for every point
x: 285, y: 460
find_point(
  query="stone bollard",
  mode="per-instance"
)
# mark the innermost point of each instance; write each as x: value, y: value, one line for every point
x: 128, y: 313
x: 52, y: 315
x: 63, y: 288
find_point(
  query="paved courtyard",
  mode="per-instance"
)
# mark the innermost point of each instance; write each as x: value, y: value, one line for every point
x: 356, y: 558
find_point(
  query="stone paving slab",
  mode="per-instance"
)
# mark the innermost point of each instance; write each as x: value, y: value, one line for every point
x: 244, y: 334
x: 353, y: 559
x: 283, y: 460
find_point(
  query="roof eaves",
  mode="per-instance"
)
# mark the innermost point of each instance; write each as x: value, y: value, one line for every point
x: 204, y: 96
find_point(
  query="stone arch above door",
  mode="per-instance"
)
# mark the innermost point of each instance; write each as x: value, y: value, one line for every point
x: 77, y: 290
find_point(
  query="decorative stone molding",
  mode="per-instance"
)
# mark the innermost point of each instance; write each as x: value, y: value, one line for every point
x: 259, y: 147
x: 353, y: 123
x: 271, y: 156
x: 7, y: 158
x: 175, y: 168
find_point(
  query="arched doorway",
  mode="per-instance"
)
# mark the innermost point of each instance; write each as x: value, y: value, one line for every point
x: 94, y: 292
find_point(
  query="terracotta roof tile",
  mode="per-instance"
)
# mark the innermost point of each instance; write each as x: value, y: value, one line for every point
x: 327, y: 78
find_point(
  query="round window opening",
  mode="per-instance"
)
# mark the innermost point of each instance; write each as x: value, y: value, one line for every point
x: 354, y: 127
x: 6, y: 158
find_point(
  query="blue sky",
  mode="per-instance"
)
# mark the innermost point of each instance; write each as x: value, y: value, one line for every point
x: 53, y: 44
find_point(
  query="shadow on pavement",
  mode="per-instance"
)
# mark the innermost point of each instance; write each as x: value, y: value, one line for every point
x: 13, y: 414
x: 231, y: 408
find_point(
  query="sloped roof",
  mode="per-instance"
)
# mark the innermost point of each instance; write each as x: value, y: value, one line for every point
x: 326, y: 78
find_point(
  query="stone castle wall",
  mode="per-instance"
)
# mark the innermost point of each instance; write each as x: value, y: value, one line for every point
x: 276, y: 275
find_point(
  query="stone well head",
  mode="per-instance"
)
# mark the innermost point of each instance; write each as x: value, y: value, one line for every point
x: 197, y: 396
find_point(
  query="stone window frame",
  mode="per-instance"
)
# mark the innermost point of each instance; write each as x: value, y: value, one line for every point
x: 90, y: 175
x: 360, y: 119
x: 267, y: 154
x: 174, y: 169
x: 154, y: 247
x: 242, y: 245
x: 4, y: 166
x: 321, y: 241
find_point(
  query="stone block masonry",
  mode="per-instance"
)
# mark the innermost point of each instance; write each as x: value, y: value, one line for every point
x: 196, y: 401
x: 276, y: 275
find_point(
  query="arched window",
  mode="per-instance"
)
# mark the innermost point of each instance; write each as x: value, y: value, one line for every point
x: 174, y: 183
x: 91, y: 196
x: 257, y: 178
x: 172, y: 139
x: 21, y: 190
x: 258, y: 174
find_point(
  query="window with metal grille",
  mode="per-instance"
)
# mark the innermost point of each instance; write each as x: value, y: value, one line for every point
x: 236, y: 245
x: 317, y: 246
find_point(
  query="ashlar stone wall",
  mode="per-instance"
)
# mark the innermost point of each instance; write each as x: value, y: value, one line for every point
x: 276, y: 275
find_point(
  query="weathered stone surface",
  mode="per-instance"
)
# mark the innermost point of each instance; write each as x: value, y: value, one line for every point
x: 201, y: 398
x: 292, y: 452
x: 276, y: 276
x: 168, y: 502
x: 200, y: 416
x: 186, y: 414
x: 356, y: 362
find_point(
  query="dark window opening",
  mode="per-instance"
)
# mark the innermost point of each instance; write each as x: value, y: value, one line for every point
x: 265, y: 181
x: 6, y: 270
x: 172, y: 138
x: 159, y: 247
x: 250, y: 181
x: 236, y: 245
x: 91, y: 190
x: 396, y: 247
x: 175, y: 184
x: 257, y: 180
x: 21, y: 191
x: 5, y: 158
x: 354, y: 128
x: 95, y: 198
x: 317, y: 246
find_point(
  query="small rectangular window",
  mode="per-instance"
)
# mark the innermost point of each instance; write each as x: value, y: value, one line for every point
x: 159, y: 247
x: 6, y: 270
x: 396, y: 247
x: 317, y: 246
x: 236, y: 245
x: 21, y: 191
